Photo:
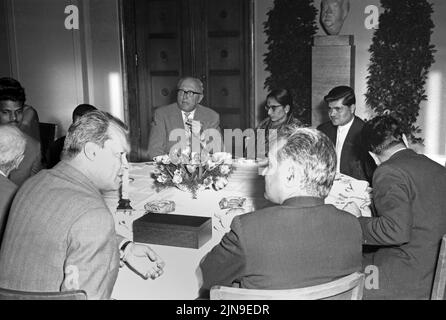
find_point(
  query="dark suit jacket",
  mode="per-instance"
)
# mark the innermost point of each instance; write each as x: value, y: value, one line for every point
x: 302, y: 242
x: 355, y: 160
x: 168, y: 118
x: 410, y: 198
x: 7, y: 192
x: 54, y: 152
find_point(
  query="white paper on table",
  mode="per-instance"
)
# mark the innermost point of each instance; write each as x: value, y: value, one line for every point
x: 347, y: 189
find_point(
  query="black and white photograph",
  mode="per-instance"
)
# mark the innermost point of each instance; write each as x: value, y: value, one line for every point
x: 204, y: 150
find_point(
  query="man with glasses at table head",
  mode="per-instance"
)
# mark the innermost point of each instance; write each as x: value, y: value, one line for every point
x: 187, y: 113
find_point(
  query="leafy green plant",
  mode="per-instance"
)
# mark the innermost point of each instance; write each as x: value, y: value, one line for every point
x: 401, y: 56
x: 290, y: 29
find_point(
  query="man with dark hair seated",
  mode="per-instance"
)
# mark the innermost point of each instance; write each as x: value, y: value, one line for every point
x: 410, y: 201
x: 298, y: 243
x: 55, y: 148
x: 344, y: 130
x: 12, y: 102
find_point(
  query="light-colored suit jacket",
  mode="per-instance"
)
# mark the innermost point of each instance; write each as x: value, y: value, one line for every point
x: 31, y: 163
x: 60, y: 236
x: 7, y: 192
x: 168, y: 118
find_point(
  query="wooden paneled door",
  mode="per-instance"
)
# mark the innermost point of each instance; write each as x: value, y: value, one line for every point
x: 165, y: 40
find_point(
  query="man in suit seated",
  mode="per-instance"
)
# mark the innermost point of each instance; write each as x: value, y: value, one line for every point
x: 55, y: 148
x: 344, y: 130
x: 12, y: 101
x: 12, y: 148
x: 60, y: 234
x: 298, y: 243
x: 186, y: 113
x: 409, y: 197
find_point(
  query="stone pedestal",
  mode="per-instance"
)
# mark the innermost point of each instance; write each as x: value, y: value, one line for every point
x: 333, y: 64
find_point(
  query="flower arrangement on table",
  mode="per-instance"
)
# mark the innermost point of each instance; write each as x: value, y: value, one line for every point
x: 190, y: 171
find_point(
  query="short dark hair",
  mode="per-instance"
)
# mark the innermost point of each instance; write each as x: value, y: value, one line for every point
x: 282, y: 96
x: 11, y: 89
x: 342, y: 92
x: 314, y: 152
x: 82, y: 109
x: 382, y: 133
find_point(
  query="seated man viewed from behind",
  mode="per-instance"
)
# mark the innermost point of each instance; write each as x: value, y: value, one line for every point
x: 298, y: 243
x: 187, y: 113
x: 60, y: 235
x: 410, y: 201
x: 12, y: 147
x: 12, y: 101
x: 55, y: 148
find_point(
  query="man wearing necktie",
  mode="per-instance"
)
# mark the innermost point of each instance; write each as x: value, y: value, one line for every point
x: 187, y: 113
x: 344, y: 130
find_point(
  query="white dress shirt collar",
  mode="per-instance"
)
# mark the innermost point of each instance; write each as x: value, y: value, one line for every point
x: 191, y: 115
x: 342, y: 132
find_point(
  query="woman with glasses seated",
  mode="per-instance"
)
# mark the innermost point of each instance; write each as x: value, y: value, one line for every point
x: 279, y: 105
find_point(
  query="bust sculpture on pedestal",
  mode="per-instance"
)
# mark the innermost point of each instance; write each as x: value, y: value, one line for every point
x: 333, y: 15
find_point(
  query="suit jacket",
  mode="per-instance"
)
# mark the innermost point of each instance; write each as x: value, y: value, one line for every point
x: 60, y: 236
x: 7, y: 192
x: 54, y: 152
x: 31, y: 163
x: 409, y: 196
x: 355, y: 160
x: 168, y: 118
x: 302, y: 242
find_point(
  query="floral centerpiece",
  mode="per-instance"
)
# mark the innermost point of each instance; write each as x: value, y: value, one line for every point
x: 189, y: 171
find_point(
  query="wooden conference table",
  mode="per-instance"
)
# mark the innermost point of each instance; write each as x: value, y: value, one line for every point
x: 179, y: 280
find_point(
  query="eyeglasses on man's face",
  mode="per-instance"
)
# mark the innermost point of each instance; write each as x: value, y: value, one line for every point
x: 274, y: 108
x: 187, y: 93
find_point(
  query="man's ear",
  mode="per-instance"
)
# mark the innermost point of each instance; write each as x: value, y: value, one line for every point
x: 291, y: 175
x: 200, y: 98
x: 90, y: 150
x: 287, y: 108
x: 353, y: 108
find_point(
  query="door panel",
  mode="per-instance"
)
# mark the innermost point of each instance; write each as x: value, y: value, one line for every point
x: 165, y: 55
x: 224, y: 54
x: 163, y: 90
x: 163, y: 16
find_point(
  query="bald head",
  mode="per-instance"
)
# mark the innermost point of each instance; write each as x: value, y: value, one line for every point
x: 190, y: 93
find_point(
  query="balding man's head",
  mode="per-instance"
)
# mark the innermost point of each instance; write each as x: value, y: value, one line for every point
x: 12, y: 148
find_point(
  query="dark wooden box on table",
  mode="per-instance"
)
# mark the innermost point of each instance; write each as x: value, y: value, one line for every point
x: 172, y: 230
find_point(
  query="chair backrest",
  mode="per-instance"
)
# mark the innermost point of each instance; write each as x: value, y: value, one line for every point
x: 350, y: 287
x: 439, y: 287
x: 6, y: 294
x: 47, y: 135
